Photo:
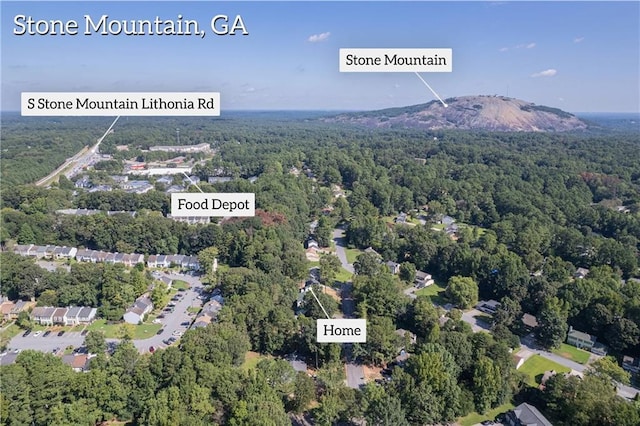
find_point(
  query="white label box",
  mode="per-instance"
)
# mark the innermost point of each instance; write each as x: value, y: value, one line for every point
x: 396, y: 60
x: 341, y: 330
x: 120, y: 103
x: 197, y: 204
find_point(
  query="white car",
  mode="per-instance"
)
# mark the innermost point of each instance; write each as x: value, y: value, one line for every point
x: 178, y: 333
x: 37, y: 333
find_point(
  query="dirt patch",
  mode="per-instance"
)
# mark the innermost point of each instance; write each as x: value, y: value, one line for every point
x: 372, y: 373
x: 331, y: 292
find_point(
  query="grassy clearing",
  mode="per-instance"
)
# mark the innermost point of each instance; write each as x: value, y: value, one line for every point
x: 474, y: 418
x: 193, y: 309
x: 180, y: 285
x: 435, y: 292
x: 352, y: 254
x: 313, y: 263
x: 536, y: 366
x: 343, y: 275
x: 251, y: 360
x: 574, y: 354
x: 113, y: 331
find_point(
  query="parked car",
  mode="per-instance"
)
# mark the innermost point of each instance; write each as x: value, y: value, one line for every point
x: 185, y: 324
x: 26, y: 333
x: 84, y: 332
x: 61, y: 333
x: 160, y: 332
x: 46, y: 333
x: 160, y: 316
x: 37, y: 333
x: 152, y: 349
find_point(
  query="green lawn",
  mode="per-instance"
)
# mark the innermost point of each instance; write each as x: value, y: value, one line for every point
x: 475, y: 418
x: 313, y: 264
x: 193, y: 309
x: 352, y: 254
x: 9, y: 333
x: 145, y: 331
x: 536, y: 366
x: 180, y: 285
x: 435, y: 292
x: 343, y: 275
x: 112, y: 331
x: 574, y: 354
x: 251, y: 359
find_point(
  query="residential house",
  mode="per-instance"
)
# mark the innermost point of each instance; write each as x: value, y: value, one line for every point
x: 526, y: 415
x: 83, y: 182
x: 447, y: 220
x: 22, y: 250
x: 191, y: 220
x: 43, y: 315
x: 406, y: 337
x: 394, y: 267
x: 174, y: 188
x: 79, y: 362
x: 5, y: 309
x: 165, y: 279
x: 152, y: 261
x: 311, y: 243
x: 423, y: 279
x: 580, y: 339
x: 72, y: 315
x: 401, y: 218
x: 488, y: 306
x: 60, y: 316
x: 20, y: 306
x: 86, y: 315
x: 530, y: 322
x: 135, y: 314
x: 581, y: 273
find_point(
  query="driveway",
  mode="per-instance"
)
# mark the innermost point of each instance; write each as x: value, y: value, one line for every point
x: 339, y: 239
x: 477, y: 325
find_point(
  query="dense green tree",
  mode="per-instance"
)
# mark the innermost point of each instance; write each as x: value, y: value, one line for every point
x: 462, y: 291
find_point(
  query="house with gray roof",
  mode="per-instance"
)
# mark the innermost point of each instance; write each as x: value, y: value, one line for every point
x: 526, y: 415
x: 135, y: 314
x: 580, y: 339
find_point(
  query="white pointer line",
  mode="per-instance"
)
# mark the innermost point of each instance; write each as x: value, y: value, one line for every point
x: 318, y: 300
x: 432, y: 91
x: 192, y: 182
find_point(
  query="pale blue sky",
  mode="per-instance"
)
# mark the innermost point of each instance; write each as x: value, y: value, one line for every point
x: 578, y: 56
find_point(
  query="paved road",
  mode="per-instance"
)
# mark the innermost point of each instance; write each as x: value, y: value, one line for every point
x: 171, y: 323
x: 411, y: 292
x: 353, y: 371
x: 338, y: 238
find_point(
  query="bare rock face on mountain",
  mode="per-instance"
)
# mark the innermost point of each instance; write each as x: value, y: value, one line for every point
x: 491, y: 113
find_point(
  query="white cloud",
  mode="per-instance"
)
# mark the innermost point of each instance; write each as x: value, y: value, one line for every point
x: 518, y: 46
x: 578, y: 39
x: 546, y: 73
x: 318, y: 37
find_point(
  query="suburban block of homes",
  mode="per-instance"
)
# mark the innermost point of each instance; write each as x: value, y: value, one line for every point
x: 96, y: 256
x: 48, y: 315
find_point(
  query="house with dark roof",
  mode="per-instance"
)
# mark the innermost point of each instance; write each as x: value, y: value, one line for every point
x: 135, y: 314
x: 86, y: 315
x: 529, y: 322
x: 526, y: 415
x: 423, y: 279
x: 72, y: 315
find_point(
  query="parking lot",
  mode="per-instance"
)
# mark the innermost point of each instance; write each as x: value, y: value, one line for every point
x: 174, y: 323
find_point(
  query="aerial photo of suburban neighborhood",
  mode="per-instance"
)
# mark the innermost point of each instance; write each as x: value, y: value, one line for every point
x: 482, y: 221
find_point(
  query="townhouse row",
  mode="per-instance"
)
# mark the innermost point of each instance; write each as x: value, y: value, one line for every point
x: 97, y: 256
